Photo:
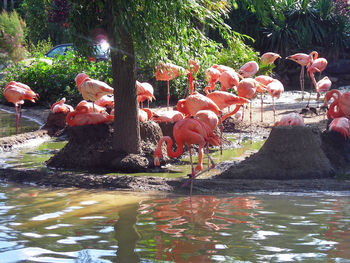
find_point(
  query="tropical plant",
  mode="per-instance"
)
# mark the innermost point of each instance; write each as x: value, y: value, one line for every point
x: 12, y: 36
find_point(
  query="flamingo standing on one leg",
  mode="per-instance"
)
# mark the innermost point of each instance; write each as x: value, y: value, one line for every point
x: 16, y: 93
x: 187, y: 132
x: 92, y: 89
x: 166, y: 72
x: 303, y: 60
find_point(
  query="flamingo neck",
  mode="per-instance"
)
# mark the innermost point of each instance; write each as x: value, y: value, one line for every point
x: 169, y: 149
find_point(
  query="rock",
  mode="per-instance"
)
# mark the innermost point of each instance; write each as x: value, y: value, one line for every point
x: 289, y: 153
x: 341, y: 66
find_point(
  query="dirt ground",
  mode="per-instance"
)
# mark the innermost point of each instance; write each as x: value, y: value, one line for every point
x: 228, y: 182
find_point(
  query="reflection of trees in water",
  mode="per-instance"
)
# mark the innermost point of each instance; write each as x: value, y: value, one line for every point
x: 190, y: 226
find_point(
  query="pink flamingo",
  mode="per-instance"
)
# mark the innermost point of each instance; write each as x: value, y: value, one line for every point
x: 275, y: 88
x: 248, y: 69
x: 106, y: 101
x: 145, y: 114
x: 166, y: 72
x: 193, y: 68
x: 265, y: 80
x: 323, y: 85
x: 229, y: 79
x: 61, y: 106
x: 340, y: 107
x: 269, y: 58
x: 16, y: 93
x: 85, y: 107
x: 212, y: 75
x: 341, y: 125
x: 291, y: 119
x: 91, y: 89
x: 187, y: 132
x: 196, y: 102
x: 77, y: 118
x: 167, y: 116
x: 303, y: 60
x: 144, y: 92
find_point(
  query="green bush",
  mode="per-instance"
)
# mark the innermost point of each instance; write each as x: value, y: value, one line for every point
x: 52, y: 82
x: 40, y: 49
x: 12, y: 37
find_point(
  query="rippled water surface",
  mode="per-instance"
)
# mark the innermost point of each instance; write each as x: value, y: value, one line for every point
x: 8, y: 124
x: 71, y: 225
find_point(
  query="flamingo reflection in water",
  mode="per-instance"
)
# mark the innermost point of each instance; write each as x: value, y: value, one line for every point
x: 177, y: 218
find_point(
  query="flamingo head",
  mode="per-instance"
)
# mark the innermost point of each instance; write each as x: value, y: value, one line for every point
x: 80, y: 78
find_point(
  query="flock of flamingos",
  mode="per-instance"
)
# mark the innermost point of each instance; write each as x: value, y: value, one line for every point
x: 198, y: 115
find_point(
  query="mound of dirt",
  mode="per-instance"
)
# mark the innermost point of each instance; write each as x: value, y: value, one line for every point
x: 288, y: 153
x: 90, y: 148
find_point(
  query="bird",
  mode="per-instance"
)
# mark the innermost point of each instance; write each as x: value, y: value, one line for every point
x: 144, y: 92
x: 275, y: 88
x: 145, y: 114
x: 212, y: 75
x: 187, y: 132
x: 303, y: 60
x: 323, y: 85
x: 248, y: 69
x: 167, y: 116
x: 265, y: 80
x: 92, y: 89
x: 291, y: 119
x: 106, y: 101
x: 85, y: 106
x: 341, y: 125
x: 269, y: 58
x: 340, y: 107
x: 229, y: 79
x: 167, y: 72
x: 61, y: 106
x: 208, y: 117
x: 196, y: 102
x: 225, y: 99
x: 78, y: 118
x: 16, y: 92
x: 316, y: 65
x: 247, y: 88
x: 193, y: 68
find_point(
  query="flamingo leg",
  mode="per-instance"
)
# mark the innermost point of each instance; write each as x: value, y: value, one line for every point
x: 250, y: 119
x: 302, y: 81
x: 192, y: 169
x: 168, y: 96
x: 262, y: 108
x: 16, y: 119
x: 20, y: 117
x: 200, y: 173
x: 273, y: 109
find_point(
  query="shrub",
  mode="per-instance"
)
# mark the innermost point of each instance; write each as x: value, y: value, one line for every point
x: 55, y: 81
x: 12, y: 37
x: 40, y: 49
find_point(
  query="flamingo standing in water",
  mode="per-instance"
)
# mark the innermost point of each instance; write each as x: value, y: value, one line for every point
x: 187, y: 132
x: 303, y: 60
x: 166, y: 72
x: 16, y: 93
x: 92, y: 89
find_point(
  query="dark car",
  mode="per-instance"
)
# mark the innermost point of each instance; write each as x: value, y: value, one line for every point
x: 101, y: 52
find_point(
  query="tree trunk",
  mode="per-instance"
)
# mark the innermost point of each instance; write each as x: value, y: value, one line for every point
x: 126, y: 136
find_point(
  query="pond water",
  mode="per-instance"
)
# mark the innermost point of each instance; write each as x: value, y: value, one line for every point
x: 8, y: 124
x: 74, y: 225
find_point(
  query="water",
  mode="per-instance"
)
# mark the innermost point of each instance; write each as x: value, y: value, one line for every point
x: 74, y: 225
x: 8, y: 124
